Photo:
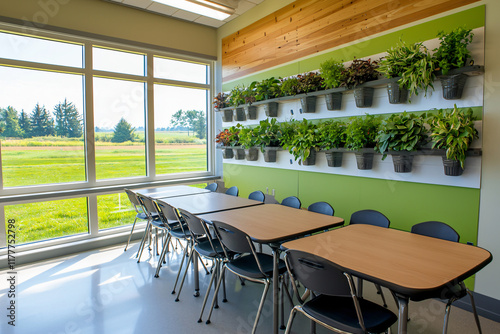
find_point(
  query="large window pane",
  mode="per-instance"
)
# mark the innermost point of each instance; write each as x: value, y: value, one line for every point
x: 165, y: 68
x: 114, y: 210
x: 40, y: 50
x: 119, y: 114
x: 41, y: 114
x: 118, y: 61
x: 180, y: 129
x: 48, y: 220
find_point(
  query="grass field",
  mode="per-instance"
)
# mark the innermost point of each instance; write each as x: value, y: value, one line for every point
x: 27, y: 163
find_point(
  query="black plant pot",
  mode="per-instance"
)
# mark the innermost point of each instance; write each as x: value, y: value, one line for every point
x: 396, y: 94
x: 308, y: 104
x: 251, y: 112
x: 364, y: 160
x: 452, y: 167
x: 402, y: 161
x: 333, y: 101
x: 270, y: 154
x: 453, y: 86
x: 311, y: 159
x: 227, y: 115
x: 364, y: 97
x: 334, y: 159
x: 239, y: 114
x: 252, y: 154
x: 227, y: 153
x: 239, y: 153
x: 271, y: 109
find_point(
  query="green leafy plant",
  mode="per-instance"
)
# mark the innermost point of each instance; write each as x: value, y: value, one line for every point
x: 267, y: 89
x: 299, y: 138
x: 359, y: 72
x: 331, y: 134
x: 290, y: 86
x: 452, y: 51
x: 268, y: 133
x: 220, y: 101
x: 413, y: 63
x: 236, y: 96
x: 331, y: 72
x: 454, y: 131
x: 248, y: 137
x: 309, y: 82
x: 361, y: 132
x: 401, y: 132
x: 249, y: 93
x: 229, y: 136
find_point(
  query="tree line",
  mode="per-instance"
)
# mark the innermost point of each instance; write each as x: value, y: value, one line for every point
x: 66, y: 121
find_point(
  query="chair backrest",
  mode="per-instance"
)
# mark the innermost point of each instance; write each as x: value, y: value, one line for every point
x: 212, y: 186
x: 133, y: 199
x: 370, y: 217
x: 321, y: 207
x: 195, y: 224
x: 317, y: 274
x: 257, y: 196
x: 233, y: 191
x: 233, y: 238
x: 292, y: 202
x: 167, y: 212
x: 436, y: 229
x: 148, y: 205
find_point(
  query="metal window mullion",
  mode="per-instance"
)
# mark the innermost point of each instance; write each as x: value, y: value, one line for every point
x: 181, y: 83
x: 40, y: 66
x: 150, y: 120
x: 3, y: 230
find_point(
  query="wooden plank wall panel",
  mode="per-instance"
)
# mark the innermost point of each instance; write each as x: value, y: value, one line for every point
x: 306, y: 27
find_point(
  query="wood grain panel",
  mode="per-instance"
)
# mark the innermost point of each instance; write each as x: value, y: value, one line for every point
x: 306, y: 27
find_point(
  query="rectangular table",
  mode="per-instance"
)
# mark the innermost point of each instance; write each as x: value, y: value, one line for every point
x: 171, y: 191
x: 411, y: 265
x: 272, y: 223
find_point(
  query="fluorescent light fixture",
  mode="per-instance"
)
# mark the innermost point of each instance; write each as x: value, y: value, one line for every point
x: 202, y: 7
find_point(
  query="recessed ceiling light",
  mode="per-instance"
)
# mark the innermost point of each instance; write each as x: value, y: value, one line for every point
x: 201, y: 7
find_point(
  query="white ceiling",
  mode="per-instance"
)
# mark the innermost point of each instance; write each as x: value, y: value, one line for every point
x: 241, y: 6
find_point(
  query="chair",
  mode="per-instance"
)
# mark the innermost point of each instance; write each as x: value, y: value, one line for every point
x: 292, y: 202
x: 152, y: 216
x: 376, y: 218
x: 233, y: 191
x: 335, y: 304
x: 440, y: 230
x: 251, y: 265
x: 212, y: 186
x: 140, y: 214
x: 321, y: 207
x: 257, y: 196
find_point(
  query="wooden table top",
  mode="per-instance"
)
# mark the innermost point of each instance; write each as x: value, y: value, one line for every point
x: 274, y: 222
x: 408, y: 263
x: 171, y: 191
x: 209, y: 202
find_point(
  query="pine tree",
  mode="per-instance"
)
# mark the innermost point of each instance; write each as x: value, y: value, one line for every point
x: 41, y: 122
x: 123, y: 132
x: 25, y: 124
x: 10, y: 122
x: 68, y: 120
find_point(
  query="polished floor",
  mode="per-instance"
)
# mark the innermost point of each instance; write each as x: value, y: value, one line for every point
x: 107, y: 291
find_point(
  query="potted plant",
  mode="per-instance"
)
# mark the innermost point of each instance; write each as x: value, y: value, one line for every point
x: 226, y: 139
x: 400, y: 135
x: 331, y: 71
x: 248, y: 140
x: 268, y: 134
x: 309, y: 82
x: 301, y: 140
x: 361, y: 134
x: 238, y: 151
x: 359, y: 72
x: 221, y: 102
x: 236, y: 99
x: 268, y: 89
x: 332, y: 135
x: 250, y: 96
x: 453, y: 53
x: 453, y: 131
x: 412, y: 66
x: 289, y: 86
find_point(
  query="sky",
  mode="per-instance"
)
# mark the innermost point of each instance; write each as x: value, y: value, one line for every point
x: 113, y: 98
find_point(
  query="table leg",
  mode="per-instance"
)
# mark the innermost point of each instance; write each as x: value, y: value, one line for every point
x: 196, y: 276
x: 276, y: 257
x: 403, y: 314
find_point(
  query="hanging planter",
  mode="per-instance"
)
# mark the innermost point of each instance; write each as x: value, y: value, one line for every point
x: 402, y: 161
x: 363, y: 96
x: 239, y: 114
x: 364, y: 158
x: 238, y: 153
x: 227, y: 153
x: 333, y: 101
x: 270, y: 154
x: 251, y: 112
x: 308, y: 104
x: 311, y: 159
x: 227, y: 115
x: 334, y: 158
x: 271, y: 109
x: 452, y: 167
x: 252, y: 154
x: 453, y: 86
x: 396, y: 94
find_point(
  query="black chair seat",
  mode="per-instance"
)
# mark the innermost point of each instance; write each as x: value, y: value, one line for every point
x: 205, y: 248
x: 247, y: 266
x: 180, y: 233
x: 339, y: 312
x: 141, y: 215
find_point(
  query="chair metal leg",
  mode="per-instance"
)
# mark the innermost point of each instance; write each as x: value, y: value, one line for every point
x: 215, y: 294
x: 185, y: 272
x: 224, y: 299
x: 476, y: 317
x: 180, y: 268
x: 162, y: 256
x: 143, y: 243
x: 446, y: 315
x: 262, y: 300
x: 130, y: 236
x: 290, y: 320
x: 381, y: 293
x: 214, y: 274
x: 282, y: 325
